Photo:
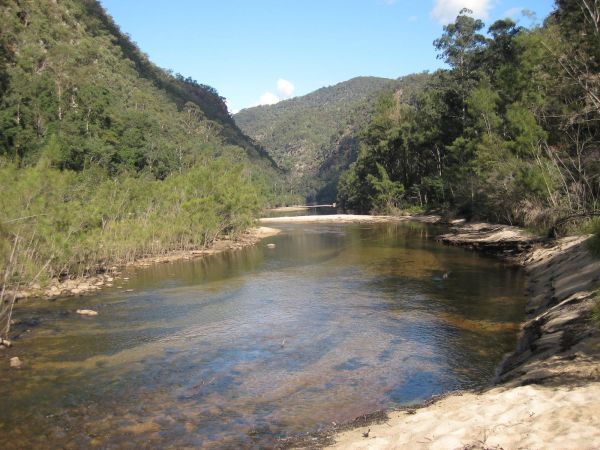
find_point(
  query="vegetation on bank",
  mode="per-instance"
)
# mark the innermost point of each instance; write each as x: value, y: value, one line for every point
x: 510, y: 132
x: 596, y: 311
x: 105, y: 157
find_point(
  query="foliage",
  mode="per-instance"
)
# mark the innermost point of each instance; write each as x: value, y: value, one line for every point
x: 596, y: 310
x: 73, y: 222
x: 510, y: 132
x: 313, y: 136
x: 105, y: 157
x: 594, y: 241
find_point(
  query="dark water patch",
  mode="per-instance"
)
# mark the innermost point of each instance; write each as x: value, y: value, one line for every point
x: 351, y: 364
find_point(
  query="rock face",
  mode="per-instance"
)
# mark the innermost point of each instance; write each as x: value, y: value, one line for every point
x: 501, y: 240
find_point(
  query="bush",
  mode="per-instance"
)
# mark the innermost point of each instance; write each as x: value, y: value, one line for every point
x: 69, y: 223
x: 594, y: 241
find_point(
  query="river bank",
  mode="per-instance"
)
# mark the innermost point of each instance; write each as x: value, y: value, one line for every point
x: 110, y: 276
x: 545, y: 393
x: 350, y: 218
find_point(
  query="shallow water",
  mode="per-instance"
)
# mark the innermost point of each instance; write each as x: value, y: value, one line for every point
x: 238, y: 349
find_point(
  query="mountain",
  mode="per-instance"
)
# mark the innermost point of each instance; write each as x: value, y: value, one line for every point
x: 69, y: 74
x: 314, y: 136
x: 105, y: 157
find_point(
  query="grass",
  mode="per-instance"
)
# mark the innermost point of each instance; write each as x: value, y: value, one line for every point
x: 594, y: 243
x: 596, y: 310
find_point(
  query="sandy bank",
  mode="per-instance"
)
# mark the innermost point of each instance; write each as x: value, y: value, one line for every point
x: 526, y: 417
x: 350, y: 218
x: 546, y: 392
x: 110, y: 277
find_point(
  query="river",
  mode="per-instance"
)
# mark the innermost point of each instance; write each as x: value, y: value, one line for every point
x: 240, y: 348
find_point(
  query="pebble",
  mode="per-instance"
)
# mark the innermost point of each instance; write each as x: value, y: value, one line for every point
x: 87, y: 312
x: 15, y: 362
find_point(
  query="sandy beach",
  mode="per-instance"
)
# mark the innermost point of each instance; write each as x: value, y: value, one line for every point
x: 525, y: 417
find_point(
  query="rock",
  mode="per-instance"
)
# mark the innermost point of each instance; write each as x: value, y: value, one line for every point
x: 54, y: 289
x: 5, y: 343
x: 270, y: 245
x: 15, y: 362
x: 87, y: 312
x: 128, y: 290
x: 75, y: 291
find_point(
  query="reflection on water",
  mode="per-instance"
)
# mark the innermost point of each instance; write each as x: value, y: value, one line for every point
x: 309, y: 211
x: 241, y: 348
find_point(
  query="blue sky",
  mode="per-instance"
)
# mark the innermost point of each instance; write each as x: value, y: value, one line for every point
x: 261, y: 51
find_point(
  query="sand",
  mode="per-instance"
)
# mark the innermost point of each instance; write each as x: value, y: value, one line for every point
x: 299, y: 208
x: 526, y: 417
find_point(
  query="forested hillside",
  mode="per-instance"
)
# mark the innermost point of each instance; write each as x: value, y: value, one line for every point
x: 313, y: 136
x: 510, y: 132
x: 104, y: 157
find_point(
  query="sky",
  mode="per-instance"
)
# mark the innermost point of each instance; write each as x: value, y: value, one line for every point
x: 263, y: 51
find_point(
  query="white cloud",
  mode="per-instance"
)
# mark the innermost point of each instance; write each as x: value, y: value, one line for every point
x: 285, y: 88
x: 268, y: 98
x: 230, y: 108
x: 445, y: 11
x: 513, y: 12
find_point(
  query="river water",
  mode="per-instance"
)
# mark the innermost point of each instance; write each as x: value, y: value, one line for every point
x: 239, y: 349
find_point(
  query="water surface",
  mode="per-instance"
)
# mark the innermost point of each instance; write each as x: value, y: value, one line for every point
x: 238, y: 349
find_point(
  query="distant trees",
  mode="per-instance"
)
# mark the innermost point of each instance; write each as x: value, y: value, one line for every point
x: 313, y: 137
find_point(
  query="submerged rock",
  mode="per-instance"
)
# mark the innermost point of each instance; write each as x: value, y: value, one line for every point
x: 87, y: 312
x: 270, y: 245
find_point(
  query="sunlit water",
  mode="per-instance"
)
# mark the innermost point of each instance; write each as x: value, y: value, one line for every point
x: 238, y: 349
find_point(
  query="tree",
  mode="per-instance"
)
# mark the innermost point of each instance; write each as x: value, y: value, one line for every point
x: 461, y: 47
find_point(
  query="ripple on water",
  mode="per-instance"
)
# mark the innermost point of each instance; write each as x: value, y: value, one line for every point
x: 240, y: 348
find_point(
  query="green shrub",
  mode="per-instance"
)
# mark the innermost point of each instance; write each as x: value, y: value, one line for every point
x: 594, y: 241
